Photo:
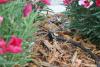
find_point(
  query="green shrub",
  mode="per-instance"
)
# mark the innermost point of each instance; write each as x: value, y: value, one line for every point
x: 86, y: 20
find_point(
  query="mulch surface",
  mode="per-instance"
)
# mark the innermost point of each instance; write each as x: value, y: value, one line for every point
x: 56, y: 53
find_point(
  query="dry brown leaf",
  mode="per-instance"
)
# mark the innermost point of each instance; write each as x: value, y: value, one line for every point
x: 48, y: 45
x: 74, y: 57
x: 78, y: 63
x: 57, y: 46
x: 54, y: 57
x: 51, y: 27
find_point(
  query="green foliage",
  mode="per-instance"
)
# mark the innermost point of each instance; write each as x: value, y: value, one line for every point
x: 15, y: 24
x: 86, y: 20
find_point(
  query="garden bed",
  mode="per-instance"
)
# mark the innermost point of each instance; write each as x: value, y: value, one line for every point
x: 48, y: 52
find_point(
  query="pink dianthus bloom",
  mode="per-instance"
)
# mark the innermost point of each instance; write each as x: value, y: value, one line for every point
x: 98, y: 3
x: 14, y: 45
x: 1, y: 19
x: 85, y: 3
x: 2, y: 46
x: 3, y: 1
x: 47, y: 2
x: 67, y: 2
x: 27, y: 9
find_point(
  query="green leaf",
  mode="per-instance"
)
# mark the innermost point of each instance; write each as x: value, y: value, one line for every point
x: 2, y: 60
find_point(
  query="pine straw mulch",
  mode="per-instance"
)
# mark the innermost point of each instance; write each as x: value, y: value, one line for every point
x: 49, y: 52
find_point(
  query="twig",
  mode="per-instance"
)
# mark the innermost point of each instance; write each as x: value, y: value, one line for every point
x: 77, y: 44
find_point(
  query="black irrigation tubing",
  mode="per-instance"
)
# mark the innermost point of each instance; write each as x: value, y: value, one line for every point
x: 77, y: 44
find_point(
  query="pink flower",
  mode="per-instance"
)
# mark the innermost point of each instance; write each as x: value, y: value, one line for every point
x: 1, y: 19
x: 14, y: 49
x: 85, y: 3
x: 15, y: 41
x: 14, y: 45
x: 98, y: 3
x: 67, y: 2
x: 47, y: 2
x: 2, y: 46
x: 3, y: 1
x: 27, y: 9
